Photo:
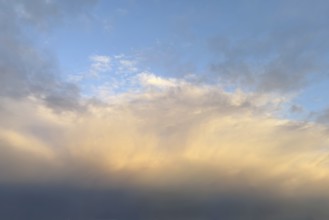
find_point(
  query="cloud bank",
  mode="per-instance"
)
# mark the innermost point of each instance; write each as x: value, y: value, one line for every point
x: 181, y: 150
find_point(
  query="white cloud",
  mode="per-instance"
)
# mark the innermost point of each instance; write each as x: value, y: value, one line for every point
x: 150, y: 79
x: 126, y: 65
x: 100, y: 64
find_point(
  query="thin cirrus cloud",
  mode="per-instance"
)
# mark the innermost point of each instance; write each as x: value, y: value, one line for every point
x: 159, y: 146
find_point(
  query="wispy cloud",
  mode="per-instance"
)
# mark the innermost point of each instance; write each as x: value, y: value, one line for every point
x: 100, y: 64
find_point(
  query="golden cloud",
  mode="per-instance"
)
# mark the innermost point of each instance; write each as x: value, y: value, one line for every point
x: 186, y: 136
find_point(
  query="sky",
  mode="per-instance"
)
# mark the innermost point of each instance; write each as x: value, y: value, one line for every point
x: 164, y: 110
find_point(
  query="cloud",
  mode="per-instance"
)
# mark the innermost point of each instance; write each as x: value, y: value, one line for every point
x: 155, y: 137
x: 149, y: 79
x: 60, y: 203
x: 171, y: 149
x: 100, y: 64
x: 180, y: 151
x: 183, y: 151
x: 44, y: 14
x: 322, y: 116
x: 25, y: 69
x: 286, y: 67
x: 280, y: 48
x: 127, y: 65
x: 283, y: 52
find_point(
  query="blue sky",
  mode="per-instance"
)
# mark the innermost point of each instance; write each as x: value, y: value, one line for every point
x: 234, y: 44
x: 154, y: 109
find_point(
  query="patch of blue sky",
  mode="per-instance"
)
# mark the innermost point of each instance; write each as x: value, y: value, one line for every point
x: 179, y: 39
x: 128, y: 27
x: 313, y: 98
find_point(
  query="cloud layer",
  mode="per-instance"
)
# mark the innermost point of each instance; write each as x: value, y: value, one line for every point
x: 182, y: 150
x: 160, y: 147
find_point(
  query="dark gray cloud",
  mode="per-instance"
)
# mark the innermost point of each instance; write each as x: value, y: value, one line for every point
x: 321, y: 116
x: 25, y: 69
x: 296, y: 109
x: 36, y: 203
x: 283, y: 50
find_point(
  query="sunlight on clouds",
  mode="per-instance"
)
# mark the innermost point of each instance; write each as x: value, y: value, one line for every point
x: 149, y: 79
x: 183, y: 135
x: 196, y: 110
x: 25, y: 143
